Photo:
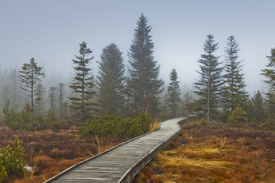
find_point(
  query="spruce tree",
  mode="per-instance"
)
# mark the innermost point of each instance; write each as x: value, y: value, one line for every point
x: 173, y: 92
x: 270, y: 109
x: 61, y: 94
x: 6, y: 95
x: 233, y: 92
x: 110, y: 80
x: 187, y: 104
x: 82, y: 85
x: 52, y: 95
x: 15, y: 101
x: 144, y: 86
x: 39, y: 97
x: 269, y: 74
x: 209, y: 85
x: 30, y: 78
x: 259, y: 111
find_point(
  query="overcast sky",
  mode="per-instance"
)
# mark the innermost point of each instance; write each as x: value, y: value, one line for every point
x: 50, y: 31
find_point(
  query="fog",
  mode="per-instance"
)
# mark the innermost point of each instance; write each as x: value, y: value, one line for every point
x: 51, y: 31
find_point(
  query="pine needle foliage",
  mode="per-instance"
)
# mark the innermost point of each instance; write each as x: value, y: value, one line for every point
x: 60, y: 95
x: 110, y: 80
x: 39, y: 100
x: 143, y: 85
x: 233, y: 92
x: 12, y: 160
x: 83, y: 85
x: 269, y: 74
x: 208, y: 87
x: 17, y: 120
x: 30, y: 75
x: 173, y: 92
x: 52, y: 96
x: 270, y: 104
x: 114, y: 126
x: 258, y: 112
x: 238, y: 115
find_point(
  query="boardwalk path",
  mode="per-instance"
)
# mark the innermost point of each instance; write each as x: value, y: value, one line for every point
x: 124, y: 161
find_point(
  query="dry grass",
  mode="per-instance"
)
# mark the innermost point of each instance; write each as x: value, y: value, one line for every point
x: 103, y: 143
x: 214, y: 154
x: 183, y: 161
x: 155, y: 124
x: 49, y: 152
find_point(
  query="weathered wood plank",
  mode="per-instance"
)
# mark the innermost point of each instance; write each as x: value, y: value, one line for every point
x: 123, y: 162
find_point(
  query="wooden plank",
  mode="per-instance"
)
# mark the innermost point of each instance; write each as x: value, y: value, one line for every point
x: 123, y: 162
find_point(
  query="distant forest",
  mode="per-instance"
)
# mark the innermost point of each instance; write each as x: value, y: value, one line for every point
x: 219, y: 91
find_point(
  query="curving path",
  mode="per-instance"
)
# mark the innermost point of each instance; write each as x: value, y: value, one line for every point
x: 122, y: 162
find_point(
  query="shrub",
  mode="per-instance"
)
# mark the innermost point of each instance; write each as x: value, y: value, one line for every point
x: 16, y: 120
x: 50, y: 120
x: 21, y: 120
x: 203, y: 121
x: 3, y: 173
x: 116, y: 127
x: 237, y: 115
x: 11, y: 161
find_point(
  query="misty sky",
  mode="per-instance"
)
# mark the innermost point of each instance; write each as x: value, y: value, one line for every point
x: 50, y: 31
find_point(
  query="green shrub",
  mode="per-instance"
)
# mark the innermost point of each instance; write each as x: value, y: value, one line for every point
x: 16, y: 120
x: 50, y: 121
x: 11, y: 160
x: 3, y: 173
x: 203, y: 121
x: 115, y: 126
x: 21, y: 120
x: 237, y: 115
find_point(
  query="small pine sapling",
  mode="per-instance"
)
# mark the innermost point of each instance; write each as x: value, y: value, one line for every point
x: 3, y: 173
x: 13, y: 160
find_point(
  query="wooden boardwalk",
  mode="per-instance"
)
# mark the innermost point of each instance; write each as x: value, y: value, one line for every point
x: 122, y: 162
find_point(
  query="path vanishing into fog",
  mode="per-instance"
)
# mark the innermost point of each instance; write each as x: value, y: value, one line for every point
x: 122, y: 162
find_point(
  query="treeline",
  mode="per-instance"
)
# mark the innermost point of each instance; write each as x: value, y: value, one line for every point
x: 221, y: 88
x: 113, y: 89
x: 127, y: 91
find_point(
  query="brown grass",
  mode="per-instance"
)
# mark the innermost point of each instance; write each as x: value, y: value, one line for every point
x: 155, y: 124
x: 214, y: 154
x: 49, y: 152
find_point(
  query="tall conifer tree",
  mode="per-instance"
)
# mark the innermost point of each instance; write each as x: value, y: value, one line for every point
x: 144, y: 86
x: 209, y: 84
x: 82, y: 85
x: 30, y: 78
x: 52, y: 95
x: 6, y: 95
x: 269, y: 74
x: 39, y: 100
x: 173, y: 92
x: 233, y: 92
x: 61, y: 94
x: 15, y: 101
x: 110, y: 79
x: 259, y: 110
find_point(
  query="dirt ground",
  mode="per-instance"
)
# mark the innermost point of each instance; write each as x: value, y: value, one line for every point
x: 214, y: 153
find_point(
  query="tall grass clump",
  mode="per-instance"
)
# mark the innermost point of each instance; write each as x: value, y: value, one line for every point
x: 115, y: 126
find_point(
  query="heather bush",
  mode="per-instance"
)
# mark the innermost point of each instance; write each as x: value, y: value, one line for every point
x: 115, y: 126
